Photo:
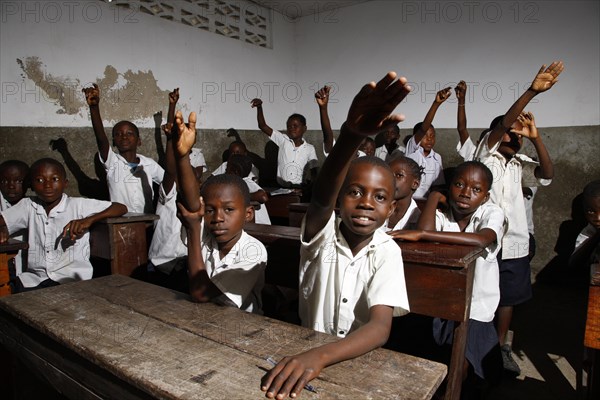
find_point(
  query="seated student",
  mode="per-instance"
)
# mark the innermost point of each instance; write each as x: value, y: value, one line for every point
x: 225, y: 264
x: 359, y: 307
x: 367, y: 147
x: 13, y: 186
x: 391, y: 148
x: 468, y: 218
x: 586, y: 244
x: 129, y: 175
x: 420, y: 148
x: 58, y: 228
x: 240, y: 166
x: 407, y: 174
x: 296, y: 158
x: 237, y: 148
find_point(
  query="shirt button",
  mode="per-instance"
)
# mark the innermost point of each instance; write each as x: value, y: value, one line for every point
x: 341, y: 332
x: 344, y: 300
x: 352, y: 264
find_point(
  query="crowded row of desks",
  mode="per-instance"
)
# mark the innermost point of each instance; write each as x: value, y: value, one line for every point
x: 117, y: 337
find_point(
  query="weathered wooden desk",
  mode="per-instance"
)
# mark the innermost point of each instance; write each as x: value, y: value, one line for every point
x: 123, y: 241
x: 8, y: 251
x: 119, y: 338
x: 592, y: 333
x: 277, y: 207
x: 439, y: 282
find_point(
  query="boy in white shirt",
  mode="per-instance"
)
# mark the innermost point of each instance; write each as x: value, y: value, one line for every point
x: 407, y: 174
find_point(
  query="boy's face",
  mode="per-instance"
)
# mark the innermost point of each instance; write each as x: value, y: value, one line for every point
x: 125, y: 137
x: 468, y: 190
x: 12, y: 185
x: 225, y: 213
x: 511, y: 141
x: 428, y: 140
x: 295, y: 128
x: 406, y: 182
x: 368, y: 147
x: 366, y: 199
x: 237, y: 149
x: 48, y: 182
x: 591, y: 208
x: 391, y: 135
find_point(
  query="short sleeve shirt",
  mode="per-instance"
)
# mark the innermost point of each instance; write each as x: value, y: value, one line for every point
x: 293, y: 162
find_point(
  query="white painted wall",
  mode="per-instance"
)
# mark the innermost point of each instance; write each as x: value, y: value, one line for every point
x: 431, y: 43
x: 497, y: 45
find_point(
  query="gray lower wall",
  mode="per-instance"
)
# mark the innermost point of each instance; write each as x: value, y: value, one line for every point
x: 574, y: 151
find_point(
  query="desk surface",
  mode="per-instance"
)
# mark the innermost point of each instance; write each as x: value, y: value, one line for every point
x: 12, y: 245
x: 162, y: 344
x: 130, y: 218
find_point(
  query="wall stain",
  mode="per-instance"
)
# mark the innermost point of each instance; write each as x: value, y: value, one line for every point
x: 123, y: 96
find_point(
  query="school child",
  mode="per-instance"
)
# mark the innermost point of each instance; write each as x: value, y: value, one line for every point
x: 407, y: 174
x: 129, y: 175
x: 367, y: 147
x: 241, y: 166
x: 237, y: 148
x: 469, y: 219
x: 498, y: 150
x: 296, y: 159
x: 225, y: 264
x: 13, y: 186
x: 57, y: 228
x: 351, y: 246
x: 390, y: 148
x: 586, y: 244
x: 420, y: 148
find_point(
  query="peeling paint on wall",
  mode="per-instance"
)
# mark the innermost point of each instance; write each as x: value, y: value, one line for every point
x: 127, y: 96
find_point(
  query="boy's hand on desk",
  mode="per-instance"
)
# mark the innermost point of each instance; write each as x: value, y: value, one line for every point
x: 186, y: 134
x: 371, y: 109
x: 76, y: 228
x: 190, y: 219
x: 174, y: 96
x: 291, y: 374
x: 256, y: 103
x: 411, y: 236
x: 92, y: 95
x: 547, y: 77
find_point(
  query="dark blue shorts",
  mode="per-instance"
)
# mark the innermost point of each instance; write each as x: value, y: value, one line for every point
x: 515, y: 281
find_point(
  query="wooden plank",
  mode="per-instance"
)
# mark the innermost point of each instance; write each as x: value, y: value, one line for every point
x: 159, y: 341
x: 592, y: 325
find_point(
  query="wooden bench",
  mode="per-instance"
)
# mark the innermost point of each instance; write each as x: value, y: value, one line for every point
x: 8, y: 252
x: 439, y: 282
x: 120, y: 338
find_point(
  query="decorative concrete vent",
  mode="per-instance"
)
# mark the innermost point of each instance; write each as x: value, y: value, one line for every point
x: 236, y: 19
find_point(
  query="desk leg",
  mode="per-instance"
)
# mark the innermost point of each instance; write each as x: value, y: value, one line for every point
x: 130, y: 248
x: 456, y: 362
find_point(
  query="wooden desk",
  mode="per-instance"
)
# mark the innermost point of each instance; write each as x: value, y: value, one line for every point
x: 592, y: 333
x: 277, y: 207
x: 123, y: 241
x: 439, y: 282
x: 8, y: 251
x: 117, y: 337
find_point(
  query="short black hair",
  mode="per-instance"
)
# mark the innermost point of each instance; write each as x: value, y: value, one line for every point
x: 135, y: 128
x: 49, y: 161
x: 371, y: 160
x: 489, y: 177
x: 418, y: 126
x: 22, y: 165
x: 592, y: 189
x: 243, y: 164
x: 227, y: 179
x: 299, y: 117
x: 412, y: 165
x: 496, y: 121
x: 238, y: 143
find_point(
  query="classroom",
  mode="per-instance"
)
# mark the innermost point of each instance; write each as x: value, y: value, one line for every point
x: 222, y: 54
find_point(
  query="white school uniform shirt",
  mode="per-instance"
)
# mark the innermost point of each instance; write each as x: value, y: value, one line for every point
x: 132, y: 187
x: 293, y: 162
x: 507, y: 193
x: 529, y: 209
x: 486, y: 280
x: 382, y: 152
x: 49, y: 254
x: 337, y: 289
x: 223, y: 168
x: 21, y: 257
x: 261, y: 216
x: 586, y: 233
x: 240, y: 275
x: 466, y: 150
x: 166, y: 242
x: 433, y: 171
x: 197, y: 159
x: 408, y: 220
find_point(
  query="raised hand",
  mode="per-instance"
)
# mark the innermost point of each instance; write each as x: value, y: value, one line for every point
x: 443, y: 95
x: 547, y: 77
x: 371, y: 109
x: 174, y: 96
x: 322, y: 96
x: 529, y: 129
x: 188, y: 218
x: 59, y: 145
x: 461, y: 91
x: 186, y: 133
x: 92, y: 95
x: 256, y: 103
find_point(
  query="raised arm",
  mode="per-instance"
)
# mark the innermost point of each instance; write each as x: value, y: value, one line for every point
x: 461, y: 94
x: 184, y: 139
x: 74, y: 229
x: 173, y: 99
x: 370, y: 112
x: 260, y: 117
x: 440, y: 97
x: 92, y: 97
x: 426, y: 220
x: 322, y: 98
x: 546, y: 169
x: 544, y: 80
